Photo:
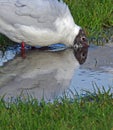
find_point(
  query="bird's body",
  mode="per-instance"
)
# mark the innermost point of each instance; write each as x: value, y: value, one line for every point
x: 42, y: 22
x: 37, y: 22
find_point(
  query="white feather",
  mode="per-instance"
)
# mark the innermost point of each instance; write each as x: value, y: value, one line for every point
x: 37, y: 22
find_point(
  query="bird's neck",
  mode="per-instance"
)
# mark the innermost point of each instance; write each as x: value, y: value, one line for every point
x: 67, y: 29
x: 70, y: 35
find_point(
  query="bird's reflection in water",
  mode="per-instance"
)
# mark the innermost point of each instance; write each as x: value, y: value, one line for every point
x: 81, y: 54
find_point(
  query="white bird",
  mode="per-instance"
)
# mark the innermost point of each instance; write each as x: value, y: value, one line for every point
x: 40, y: 22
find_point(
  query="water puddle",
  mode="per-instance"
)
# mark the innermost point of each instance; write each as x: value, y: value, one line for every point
x: 86, y: 80
x: 97, y: 71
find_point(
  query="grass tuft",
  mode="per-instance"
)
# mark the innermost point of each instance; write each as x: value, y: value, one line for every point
x: 82, y: 114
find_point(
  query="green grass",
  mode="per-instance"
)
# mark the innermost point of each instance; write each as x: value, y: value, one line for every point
x: 94, y: 112
x: 5, y: 42
x: 93, y: 15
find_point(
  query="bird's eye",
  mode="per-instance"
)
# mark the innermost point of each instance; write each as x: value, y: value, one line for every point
x: 83, y: 39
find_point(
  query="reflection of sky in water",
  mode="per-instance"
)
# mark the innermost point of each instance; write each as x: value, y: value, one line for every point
x: 86, y: 80
x: 7, y: 56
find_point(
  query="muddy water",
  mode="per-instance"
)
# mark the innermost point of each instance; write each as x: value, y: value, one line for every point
x: 56, y: 75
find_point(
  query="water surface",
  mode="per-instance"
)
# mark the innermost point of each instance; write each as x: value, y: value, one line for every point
x: 96, y: 71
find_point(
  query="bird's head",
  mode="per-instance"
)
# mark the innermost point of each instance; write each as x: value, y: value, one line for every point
x: 80, y: 46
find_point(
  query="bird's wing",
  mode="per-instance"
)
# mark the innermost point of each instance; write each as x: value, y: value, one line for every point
x: 43, y: 12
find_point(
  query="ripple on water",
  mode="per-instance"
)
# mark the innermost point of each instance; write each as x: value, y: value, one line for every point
x: 85, y: 79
